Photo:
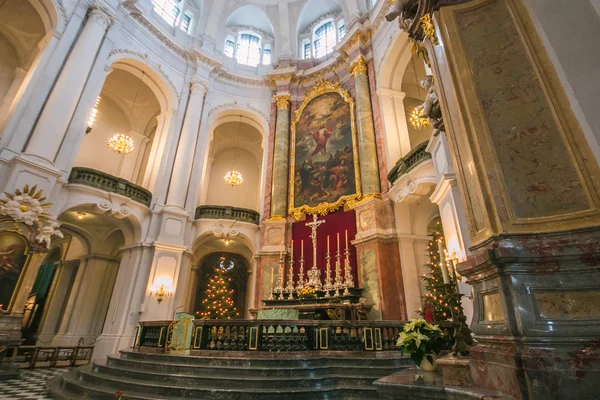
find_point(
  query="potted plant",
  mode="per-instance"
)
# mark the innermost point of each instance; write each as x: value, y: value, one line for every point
x: 423, y: 341
x: 307, y: 292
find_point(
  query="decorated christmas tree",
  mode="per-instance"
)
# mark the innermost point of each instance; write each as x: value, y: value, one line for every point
x: 218, y: 301
x: 437, y: 302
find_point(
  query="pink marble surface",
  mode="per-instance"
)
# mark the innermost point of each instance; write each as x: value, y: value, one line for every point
x: 269, y: 166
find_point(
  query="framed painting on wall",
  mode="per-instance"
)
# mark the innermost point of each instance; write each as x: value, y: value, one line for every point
x: 14, y: 256
x: 324, y: 171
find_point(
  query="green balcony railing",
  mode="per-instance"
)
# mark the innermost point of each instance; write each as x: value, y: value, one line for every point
x: 226, y: 212
x: 103, y: 181
x: 416, y: 156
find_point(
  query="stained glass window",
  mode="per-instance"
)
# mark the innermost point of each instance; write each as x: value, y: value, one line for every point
x: 167, y: 9
x: 248, y: 49
x: 324, y: 39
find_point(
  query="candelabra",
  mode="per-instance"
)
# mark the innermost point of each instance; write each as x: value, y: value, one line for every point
x: 339, y: 280
x: 348, y: 279
x: 290, y: 283
x: 271, y: 288
x: 328, y: 283
x: 280, y: 279
x: 301, y: 281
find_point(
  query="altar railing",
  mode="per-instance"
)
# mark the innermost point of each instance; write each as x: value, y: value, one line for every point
x: 295, y: 335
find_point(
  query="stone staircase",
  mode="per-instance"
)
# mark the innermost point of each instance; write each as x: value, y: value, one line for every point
x: 231, y: 375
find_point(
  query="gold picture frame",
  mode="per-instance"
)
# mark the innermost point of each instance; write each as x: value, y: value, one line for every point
x: 27, y: 254
x: 324, y: 87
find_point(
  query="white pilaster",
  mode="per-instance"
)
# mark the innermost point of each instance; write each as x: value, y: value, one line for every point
x: 397, y: 138
x: 182, y: 168
x: 60, y: 106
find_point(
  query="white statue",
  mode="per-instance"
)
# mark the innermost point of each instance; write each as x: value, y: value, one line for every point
x: 430, y: 108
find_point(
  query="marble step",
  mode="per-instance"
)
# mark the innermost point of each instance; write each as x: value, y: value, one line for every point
x: 375, y: 371
x: 274, y: 359
x: 86, y: 384
x: 230, y: 380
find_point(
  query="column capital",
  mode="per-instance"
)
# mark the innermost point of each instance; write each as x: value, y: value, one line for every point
x: 358, y: 67
x: 198, y: 86
x: 101, y: 15
x: 282, y: 101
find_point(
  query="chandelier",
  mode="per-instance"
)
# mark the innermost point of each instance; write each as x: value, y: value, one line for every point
x: 233, y: 178
x: 121, y: 144
x: 417, y: 121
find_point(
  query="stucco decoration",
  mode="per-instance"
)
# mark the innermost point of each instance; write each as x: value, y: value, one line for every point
x: 29, y: 206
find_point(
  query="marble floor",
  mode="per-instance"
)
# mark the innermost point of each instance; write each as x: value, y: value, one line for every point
x: 30, y: 386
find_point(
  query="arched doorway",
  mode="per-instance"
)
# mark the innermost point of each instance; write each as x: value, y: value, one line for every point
x: 234, y: 266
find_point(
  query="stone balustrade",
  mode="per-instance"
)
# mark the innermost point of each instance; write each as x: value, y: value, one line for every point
x: 413, y: 158
x: 226, y: 212
x: 109, y: 183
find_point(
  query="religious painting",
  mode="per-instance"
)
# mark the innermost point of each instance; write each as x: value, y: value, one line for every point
x: 13, y: 259
x: 324, y: 171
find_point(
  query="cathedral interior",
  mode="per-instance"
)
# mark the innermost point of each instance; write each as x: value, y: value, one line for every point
x: 299, y: 199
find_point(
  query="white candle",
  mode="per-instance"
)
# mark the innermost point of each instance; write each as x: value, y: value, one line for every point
x: 346, y: 239
x: 338, y: 241
x: 443, y: 263
x: 302, y: 248
x: 292, y: 250
x: 327, y: 244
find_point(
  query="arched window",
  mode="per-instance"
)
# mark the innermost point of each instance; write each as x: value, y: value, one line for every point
x: 168, y: 9
x: 248, y: 49
x: 229, y: 46
x: 266, y: 58
x: 324, y: 39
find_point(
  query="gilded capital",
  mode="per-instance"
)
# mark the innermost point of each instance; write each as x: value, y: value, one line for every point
x: 358, y: 67
x: 282, y: 102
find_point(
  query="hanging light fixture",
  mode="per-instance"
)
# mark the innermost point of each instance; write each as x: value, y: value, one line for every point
x: 92, y: 118
x: 234, y: 177
x: 121, y: 143
x: 416, y: 119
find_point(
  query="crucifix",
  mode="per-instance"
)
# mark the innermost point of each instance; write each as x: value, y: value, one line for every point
x: 313, y: 235
x: 314, y: 275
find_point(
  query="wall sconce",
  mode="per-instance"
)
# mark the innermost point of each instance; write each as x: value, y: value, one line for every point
x: 160, y: 292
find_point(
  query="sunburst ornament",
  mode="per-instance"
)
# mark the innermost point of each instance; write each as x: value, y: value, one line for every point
x: 121, y: 143
x: 233, y: 178
x: 29, y: 206
x: 417, y: 121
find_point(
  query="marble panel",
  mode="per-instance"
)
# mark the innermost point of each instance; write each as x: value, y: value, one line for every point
x: 567, y: 304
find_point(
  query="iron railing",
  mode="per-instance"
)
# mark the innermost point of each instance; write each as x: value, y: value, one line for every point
x: 416, y: 156
x: 103, y: 181
x: 226, y: 212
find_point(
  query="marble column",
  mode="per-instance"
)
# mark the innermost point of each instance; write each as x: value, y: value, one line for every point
x: 529, y: 183
x: 182, y: 168
x: 56, y: 116
x: 281, y: 153
x: 367, y: 147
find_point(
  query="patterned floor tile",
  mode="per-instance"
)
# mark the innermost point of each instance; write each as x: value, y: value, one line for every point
x: 30, y: 386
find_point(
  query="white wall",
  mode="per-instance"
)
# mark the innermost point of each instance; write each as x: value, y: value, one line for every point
x: 8, y: 63
x: 246, y: 195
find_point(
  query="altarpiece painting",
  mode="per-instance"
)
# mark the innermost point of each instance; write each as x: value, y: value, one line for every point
x: 324, y: 172
x: 13, y: 259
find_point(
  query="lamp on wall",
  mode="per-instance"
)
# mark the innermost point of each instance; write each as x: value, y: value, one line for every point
x: 160, y: 291
x: 234, y: 177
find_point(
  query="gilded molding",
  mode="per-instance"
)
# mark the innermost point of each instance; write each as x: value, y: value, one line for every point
x: 358, y: 67
x: 428, y: 28
x: 282, y: 102
x: 298, y: 213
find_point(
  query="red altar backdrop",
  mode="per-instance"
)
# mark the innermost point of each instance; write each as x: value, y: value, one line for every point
x: 335, y: 223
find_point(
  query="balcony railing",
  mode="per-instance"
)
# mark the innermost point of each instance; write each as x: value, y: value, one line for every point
x: 409, y: 161
x: 225, y: 212
x: 109, y: 183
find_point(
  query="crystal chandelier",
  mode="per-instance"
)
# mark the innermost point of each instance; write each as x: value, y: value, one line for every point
x: 417, y: 121
x: 121, y: 144
x: 233, y: 178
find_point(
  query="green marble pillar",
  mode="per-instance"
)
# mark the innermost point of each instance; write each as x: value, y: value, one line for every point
x: 281, y: 153
x: 367, y: 148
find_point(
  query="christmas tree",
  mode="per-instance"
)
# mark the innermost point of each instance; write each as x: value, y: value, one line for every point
x: 437, y: 302
x: 218, y: 301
